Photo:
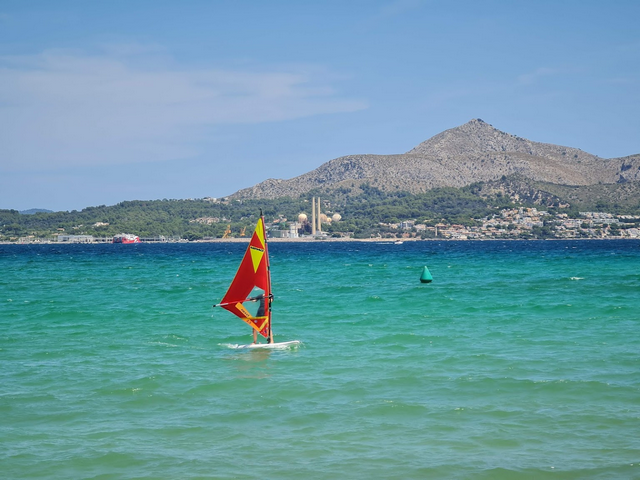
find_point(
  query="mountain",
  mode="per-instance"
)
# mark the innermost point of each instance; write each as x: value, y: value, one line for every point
x: 473, y: 152
x: 32, y: 211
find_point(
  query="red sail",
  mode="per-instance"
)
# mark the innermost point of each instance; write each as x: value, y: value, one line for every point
x: 252, y: 285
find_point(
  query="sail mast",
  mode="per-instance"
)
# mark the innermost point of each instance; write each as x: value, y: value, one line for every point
x: 270, y: 297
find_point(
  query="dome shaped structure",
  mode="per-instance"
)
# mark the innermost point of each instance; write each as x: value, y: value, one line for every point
x: 336, y: 217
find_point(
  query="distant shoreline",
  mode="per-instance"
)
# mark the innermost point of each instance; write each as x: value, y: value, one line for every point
x: 329, y: 239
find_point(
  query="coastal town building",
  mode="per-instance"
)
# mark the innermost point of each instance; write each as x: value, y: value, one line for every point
x: 76, y: 239
x: 508, y: 223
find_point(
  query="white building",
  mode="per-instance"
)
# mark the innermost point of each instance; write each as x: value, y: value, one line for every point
x: 76, y: 238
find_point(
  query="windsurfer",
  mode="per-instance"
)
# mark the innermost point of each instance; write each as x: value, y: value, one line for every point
x: 260, y: 313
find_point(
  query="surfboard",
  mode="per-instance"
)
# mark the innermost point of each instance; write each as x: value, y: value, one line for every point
x: 269, y: 346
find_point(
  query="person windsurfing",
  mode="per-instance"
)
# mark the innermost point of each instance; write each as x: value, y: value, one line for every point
x: 260, y: 313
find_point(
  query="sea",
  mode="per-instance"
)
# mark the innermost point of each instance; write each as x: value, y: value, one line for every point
x: 521, y: 360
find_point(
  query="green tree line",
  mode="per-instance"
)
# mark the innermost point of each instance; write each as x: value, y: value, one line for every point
x: 363, y: 214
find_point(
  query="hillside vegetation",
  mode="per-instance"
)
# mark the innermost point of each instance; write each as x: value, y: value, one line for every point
x: 363, y: 210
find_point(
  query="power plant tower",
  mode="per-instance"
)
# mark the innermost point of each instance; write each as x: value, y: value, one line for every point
x: 313, y: 216
x: 316, y: 222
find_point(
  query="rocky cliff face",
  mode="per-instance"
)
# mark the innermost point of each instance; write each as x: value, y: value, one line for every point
x: 470, y: 153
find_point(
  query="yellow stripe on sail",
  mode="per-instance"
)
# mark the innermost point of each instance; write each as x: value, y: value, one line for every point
x: 244, y: 311
x: 263, y: 324
x: 256, y: 256
x: 260, y: 232
x: 250, y: 320
x: 258, y: 252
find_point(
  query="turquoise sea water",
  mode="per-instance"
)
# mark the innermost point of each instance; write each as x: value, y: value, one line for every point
x: 520, y: 360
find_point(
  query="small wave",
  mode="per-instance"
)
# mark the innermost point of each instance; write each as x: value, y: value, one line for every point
x: 577, y: 278
x: 176, y: 337
x: 163, y: 344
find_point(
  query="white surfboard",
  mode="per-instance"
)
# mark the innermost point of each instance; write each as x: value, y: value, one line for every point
x: 270, y: 346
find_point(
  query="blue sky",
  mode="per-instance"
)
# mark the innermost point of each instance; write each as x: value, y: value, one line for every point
x: 107, y: 101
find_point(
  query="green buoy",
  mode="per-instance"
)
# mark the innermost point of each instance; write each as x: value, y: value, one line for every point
x: 426, y: 276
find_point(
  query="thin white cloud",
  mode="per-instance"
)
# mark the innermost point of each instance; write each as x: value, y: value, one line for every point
x: 389, y: 11
x: 62, y: 108
x: 533, y: 77
x: 624, y: 81
x: 398, y: 7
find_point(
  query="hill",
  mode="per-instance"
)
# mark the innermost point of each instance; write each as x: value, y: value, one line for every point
x: 473, y: 152
x: 459, y: 176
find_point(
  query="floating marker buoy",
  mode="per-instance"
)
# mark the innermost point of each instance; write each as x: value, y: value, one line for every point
x: 426, y: 276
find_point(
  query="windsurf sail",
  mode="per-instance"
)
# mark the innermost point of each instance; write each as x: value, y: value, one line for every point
x: 249, y: 296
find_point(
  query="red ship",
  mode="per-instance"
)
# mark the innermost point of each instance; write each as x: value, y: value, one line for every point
x: 126, y: 238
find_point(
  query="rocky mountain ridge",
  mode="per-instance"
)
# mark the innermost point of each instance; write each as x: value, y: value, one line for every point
x: 473, y: 152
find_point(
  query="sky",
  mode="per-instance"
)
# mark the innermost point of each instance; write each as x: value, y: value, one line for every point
x: 107, y: 101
